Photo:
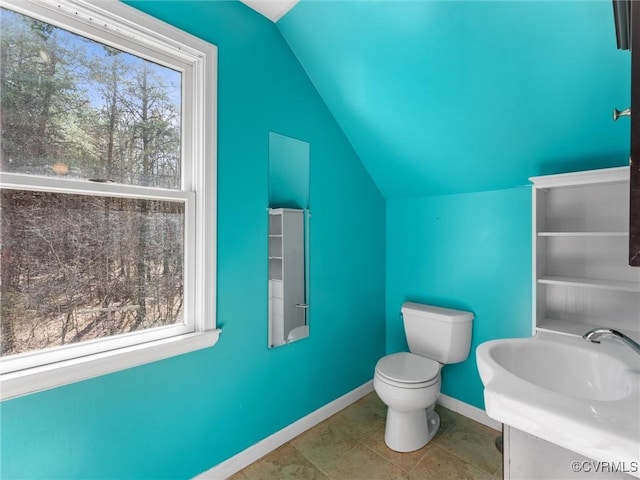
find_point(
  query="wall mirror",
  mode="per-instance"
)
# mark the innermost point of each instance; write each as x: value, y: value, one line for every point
x: 288, y: 239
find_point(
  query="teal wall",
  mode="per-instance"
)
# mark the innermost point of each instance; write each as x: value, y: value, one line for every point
x: 441, y: 97
x: 181, y: 416
x: 437, y: 98
x: 465, y: 251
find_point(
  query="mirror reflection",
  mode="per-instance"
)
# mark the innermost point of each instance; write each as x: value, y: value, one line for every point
x: 288, y: 239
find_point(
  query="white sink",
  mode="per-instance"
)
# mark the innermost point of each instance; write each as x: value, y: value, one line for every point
x: 582, y: 396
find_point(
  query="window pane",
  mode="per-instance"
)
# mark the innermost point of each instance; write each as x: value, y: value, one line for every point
x: 78, y: 267
x: 77, y: 108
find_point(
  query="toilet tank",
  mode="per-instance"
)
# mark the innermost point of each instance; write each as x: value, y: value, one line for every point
x: 441, y: 334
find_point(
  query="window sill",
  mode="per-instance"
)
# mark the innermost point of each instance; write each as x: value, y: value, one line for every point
x: 36, y: 379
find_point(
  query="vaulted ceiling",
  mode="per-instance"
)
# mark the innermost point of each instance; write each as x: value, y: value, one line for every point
x: 441, y: 96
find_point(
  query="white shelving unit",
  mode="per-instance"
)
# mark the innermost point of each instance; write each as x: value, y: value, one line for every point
x: 580, y: 236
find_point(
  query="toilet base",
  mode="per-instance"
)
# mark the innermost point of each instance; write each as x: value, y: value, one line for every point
x: 409, y: 431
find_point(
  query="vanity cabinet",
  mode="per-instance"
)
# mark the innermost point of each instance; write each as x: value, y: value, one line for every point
x: 287, y: 307
x: 581, y: 275
x: 527, y: 456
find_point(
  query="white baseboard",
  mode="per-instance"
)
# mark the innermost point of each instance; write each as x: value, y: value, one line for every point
x: 248, y: 456
x: 474, y: 413
x: 245, y: 458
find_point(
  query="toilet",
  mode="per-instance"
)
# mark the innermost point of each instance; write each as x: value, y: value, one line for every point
x: 409, y: 382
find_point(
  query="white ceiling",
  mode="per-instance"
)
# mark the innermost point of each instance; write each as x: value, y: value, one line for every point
x: 274, y: 10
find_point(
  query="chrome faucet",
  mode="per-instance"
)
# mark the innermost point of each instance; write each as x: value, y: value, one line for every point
x: 597, y: 333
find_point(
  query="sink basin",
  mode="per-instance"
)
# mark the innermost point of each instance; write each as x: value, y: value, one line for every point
x: 582, y: 396
x: 572, y: 370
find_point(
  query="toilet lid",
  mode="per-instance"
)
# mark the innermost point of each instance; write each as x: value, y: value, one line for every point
x: 408, y: 368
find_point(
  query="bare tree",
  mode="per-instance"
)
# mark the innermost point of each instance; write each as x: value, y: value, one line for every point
x: 77, y: 267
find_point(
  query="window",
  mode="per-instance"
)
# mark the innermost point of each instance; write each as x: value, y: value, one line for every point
x: 107, y: 192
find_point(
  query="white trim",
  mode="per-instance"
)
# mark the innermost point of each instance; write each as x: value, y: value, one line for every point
x: 536, y: 210
x: 118, y: 24
x: 604, y: 175
x: 469, y: 411
x: 245, y: 458
x: 23, y: 181
x: 255, y: 452
x: 204, y: 178
x: 58, y: 355
x: 48, y: 376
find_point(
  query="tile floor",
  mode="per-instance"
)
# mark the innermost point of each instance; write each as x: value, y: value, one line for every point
x: 350, y: 446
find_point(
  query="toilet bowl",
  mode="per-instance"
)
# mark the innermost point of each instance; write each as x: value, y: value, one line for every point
x: 409, y: 382
x: 409, y: 385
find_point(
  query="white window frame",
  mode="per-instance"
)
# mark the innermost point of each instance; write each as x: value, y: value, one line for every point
x: 121, y: 26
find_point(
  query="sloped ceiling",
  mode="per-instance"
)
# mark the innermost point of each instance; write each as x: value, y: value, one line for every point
x: 442, y: 97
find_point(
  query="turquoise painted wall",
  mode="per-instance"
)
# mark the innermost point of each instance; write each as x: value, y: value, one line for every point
x: 179, y: 417
x: 441, y: 97
x: 466, y: 251
x: 399, y: 107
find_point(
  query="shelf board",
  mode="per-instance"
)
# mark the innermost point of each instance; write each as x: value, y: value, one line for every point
x: 577, y: 328
x: 618, y: 285
x: 605, y: 175
x: 275, y: 236
x: 583, y: 234
x: 275, y: 258
x: 566, y: 327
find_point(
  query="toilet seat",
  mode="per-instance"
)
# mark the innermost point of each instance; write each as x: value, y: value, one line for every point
x: 407, y: 370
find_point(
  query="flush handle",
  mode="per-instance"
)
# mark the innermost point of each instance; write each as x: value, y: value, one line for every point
x: 621, y: 113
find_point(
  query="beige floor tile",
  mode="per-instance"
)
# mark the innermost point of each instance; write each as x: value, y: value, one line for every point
x: 350, y: 446
x: 372, y: 402
x: 472, y: 442
x: 499, y: 475
x: 438, y: 464
x: 285, y: 463
x: 406, y: 461
x: 361, y: 419
x: 324, y: 443
x: 360, y: 463
x: 447, y: 419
